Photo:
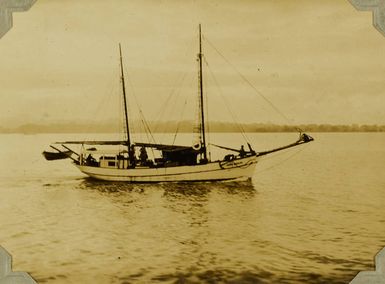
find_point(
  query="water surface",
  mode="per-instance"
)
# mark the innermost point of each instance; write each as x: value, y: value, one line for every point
x: 314, y: 214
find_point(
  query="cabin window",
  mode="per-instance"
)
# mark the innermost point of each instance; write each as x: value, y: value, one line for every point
x: 111, y: 164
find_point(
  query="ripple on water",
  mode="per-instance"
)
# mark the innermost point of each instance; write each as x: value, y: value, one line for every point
x: 314, y: 219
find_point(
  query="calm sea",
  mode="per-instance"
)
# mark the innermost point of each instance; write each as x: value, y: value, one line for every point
x: 312, y: 214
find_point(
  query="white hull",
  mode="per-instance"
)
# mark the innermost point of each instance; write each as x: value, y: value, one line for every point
x: 219, y: 170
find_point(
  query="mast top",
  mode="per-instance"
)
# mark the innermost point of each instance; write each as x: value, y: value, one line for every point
x: 200, y: 39
x: 125, y: 100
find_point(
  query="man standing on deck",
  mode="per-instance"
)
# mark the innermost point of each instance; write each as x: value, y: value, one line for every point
x: 143, y: 156
x: 242, y: 152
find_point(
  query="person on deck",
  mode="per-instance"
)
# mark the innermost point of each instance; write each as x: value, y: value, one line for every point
x: 242, y: 152
x: 132, y: 156
x: 143, y: 156
x: 90, y: 159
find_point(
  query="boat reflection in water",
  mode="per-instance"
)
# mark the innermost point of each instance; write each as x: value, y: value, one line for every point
x: 171, y: 190
x: 206, y: 232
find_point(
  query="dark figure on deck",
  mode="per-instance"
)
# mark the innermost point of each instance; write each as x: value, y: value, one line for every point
x: 306, y: 138
x: 90, y: 161
x: 242, y: 152
x: 143, y: 156
x: 303, y: 137
x: 132, y: 156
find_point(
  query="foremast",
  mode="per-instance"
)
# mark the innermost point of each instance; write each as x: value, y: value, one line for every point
x: 125, y: 104
x: 202, y: 115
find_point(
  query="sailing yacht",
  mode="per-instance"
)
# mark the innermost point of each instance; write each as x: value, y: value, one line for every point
x: 175, y: 163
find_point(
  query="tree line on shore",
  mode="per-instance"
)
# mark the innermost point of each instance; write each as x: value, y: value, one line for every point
x: 187, y: 126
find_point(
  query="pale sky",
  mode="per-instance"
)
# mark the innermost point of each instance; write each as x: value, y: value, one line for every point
x: 317, y: 61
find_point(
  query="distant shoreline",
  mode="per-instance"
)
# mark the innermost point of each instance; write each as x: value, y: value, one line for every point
x: 187, y: 126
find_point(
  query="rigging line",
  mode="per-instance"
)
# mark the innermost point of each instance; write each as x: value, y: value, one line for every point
x: 122, y: 117
x: 240, y: 127
x: 251, y: 85
x: 207, y: 118
x: 139, y: 107
x: 165, y: 126
x: 180, y: 120
x: 178, y: 85
x: 148, y: 138
x: 147, y: 126
x: 178, y: 125
x: 174, y: 91
x: 284, y: 160
x: 174, y: 104
x: 122, y: 129
x: 243, y: 132
x: 104, y: 103
x: 123, y: 135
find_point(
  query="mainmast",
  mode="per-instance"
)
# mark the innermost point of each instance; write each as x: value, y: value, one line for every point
x: 125, y: 102
x: 200, y: 55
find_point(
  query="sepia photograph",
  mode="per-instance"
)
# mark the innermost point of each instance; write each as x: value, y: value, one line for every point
x: 165, y: 141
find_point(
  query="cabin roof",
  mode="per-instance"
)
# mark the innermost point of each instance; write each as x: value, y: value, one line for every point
x: 94, y: 142
x: 164, y: 147
x: 160, y: 147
